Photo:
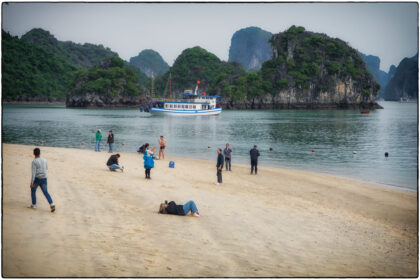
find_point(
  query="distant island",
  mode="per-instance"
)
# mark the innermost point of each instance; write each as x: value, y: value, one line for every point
x: 300, y: 69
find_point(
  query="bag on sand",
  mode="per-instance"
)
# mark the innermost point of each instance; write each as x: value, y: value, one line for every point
x: 172, y: 164
x: 148, y: 162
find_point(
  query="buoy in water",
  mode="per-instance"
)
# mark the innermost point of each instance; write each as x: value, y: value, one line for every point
x: 313, y: 150
x: 209, y: 147
x: 123, y: 144
x: 386, y: 154
x: 354, y: 153
x: 271, y: 148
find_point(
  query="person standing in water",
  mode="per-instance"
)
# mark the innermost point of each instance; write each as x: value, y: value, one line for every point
x: 110, y: 141
x: 162, y: 144
x: 219, y: 166
x: 39, y: 178
x: 98, y: 141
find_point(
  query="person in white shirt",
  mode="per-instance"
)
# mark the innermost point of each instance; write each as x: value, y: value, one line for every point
x: 39, y: 178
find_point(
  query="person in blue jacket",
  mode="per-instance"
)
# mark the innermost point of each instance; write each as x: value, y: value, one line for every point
x: 148, y: 159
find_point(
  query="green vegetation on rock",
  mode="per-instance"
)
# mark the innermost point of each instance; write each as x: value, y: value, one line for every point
x: 79, y: 55
x: 109, y: 78
x: 30, y: 72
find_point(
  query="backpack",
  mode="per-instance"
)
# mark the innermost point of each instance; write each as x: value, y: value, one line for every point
x: 141, y: 149
x: 172, y: 164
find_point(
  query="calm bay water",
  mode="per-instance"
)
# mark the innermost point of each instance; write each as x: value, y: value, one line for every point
x: 334, y: 134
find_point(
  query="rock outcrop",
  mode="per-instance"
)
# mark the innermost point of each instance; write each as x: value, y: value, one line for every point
x: 150, y: 62
x: 404, y: 81
x: 250, y: 48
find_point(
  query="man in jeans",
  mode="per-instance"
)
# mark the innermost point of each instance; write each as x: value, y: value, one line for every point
x: 219, y: 166
x: 113, y: 164
x: 227, y: 152
x: 39, y: 178
x: 254, y: 153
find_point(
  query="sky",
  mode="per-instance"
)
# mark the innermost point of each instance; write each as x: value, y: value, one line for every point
x: 388, y: 30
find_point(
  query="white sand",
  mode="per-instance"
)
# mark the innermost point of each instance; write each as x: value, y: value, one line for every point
x: 280, y: 223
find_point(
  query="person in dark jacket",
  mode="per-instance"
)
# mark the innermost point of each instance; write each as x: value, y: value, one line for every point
x: 227, y: 153
x: 113, y: 164
x: 219, y: 165
x: 182, y: 210
x: 254, y: 153
x: 110, y: 141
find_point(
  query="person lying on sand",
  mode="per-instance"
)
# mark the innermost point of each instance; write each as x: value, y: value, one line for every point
x: 182, y: 210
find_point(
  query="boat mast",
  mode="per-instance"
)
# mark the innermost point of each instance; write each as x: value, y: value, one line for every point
x: 170, y: 91
x: 152, y: 85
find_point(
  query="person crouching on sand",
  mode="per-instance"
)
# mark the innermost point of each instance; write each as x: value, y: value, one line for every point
x: 39, y: 178
x: 182, y: 210
x: 113, y: 164
x: 148, y: 159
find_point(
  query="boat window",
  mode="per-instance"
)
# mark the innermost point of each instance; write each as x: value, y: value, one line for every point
x: 193, y: 106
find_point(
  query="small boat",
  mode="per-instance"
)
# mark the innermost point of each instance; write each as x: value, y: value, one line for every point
x: 365, y: 112
x: 191, y: 104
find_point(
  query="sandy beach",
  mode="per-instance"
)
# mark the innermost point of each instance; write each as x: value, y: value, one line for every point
x: 280, y: 223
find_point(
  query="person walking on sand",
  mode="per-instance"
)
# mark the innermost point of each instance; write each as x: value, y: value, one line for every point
x: 182, y: 210
x: 227, y: 153
x: 39, y: 178
x: 148, y: 160
x: 219, y: 166
x: 254, y: 153
x: 162, y: 144
x: 113, y: 164
x: 110, y: 141
x: 98, y: 141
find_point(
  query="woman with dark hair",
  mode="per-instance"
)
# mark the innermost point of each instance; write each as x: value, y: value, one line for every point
x: 148, y: 159
x: 182, y: 210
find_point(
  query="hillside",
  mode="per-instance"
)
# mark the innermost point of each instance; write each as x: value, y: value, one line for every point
x: 404, y: 82
x: 31, y: 73
x: 150, y: 62
x: 109, y: 84
x: 192, y: 65
x: 250, y: 48
x: 85, y: 55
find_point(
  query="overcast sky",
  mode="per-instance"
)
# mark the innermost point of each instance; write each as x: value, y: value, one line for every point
x: 387, y: 30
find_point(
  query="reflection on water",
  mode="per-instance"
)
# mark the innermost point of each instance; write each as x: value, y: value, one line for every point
x: 334, y: 134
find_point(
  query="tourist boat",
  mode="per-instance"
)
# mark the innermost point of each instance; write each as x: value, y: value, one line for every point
x: 191, y: 104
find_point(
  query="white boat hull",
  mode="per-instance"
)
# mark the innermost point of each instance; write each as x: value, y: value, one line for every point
x: 174, y: 112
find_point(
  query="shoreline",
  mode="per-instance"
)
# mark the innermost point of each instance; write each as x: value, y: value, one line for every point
x: 241, y: 163
x: 280, y: 223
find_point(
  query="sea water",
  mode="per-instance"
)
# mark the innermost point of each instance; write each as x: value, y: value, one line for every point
x: 339, y: 142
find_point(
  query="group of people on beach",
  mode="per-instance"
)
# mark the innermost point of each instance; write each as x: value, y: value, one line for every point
x: 109, y: 141
x: 39, y: 171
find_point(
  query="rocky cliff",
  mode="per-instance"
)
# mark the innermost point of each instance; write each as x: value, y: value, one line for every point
x: 310, y: 70
x: 250, y: 48
x: 404, y: 81
x: 150, y: 62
